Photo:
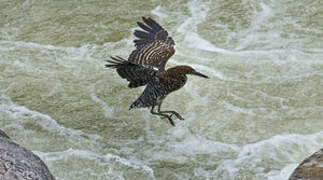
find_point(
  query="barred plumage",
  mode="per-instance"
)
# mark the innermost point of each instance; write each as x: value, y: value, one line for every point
x: 153, y: 49
x: 136, y: 75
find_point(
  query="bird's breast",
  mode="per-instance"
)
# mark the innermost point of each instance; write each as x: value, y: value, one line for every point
x: 169, y: 83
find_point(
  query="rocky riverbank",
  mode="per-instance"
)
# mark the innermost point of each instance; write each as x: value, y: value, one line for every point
x: 310, y: 169
x: 16, y: 162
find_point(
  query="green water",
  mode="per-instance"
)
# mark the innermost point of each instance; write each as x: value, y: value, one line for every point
x: 257, y: 117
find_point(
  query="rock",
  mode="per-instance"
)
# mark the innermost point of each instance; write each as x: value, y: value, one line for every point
x: 2, y: 134
x: 310, y: 169
x: 18, y: 163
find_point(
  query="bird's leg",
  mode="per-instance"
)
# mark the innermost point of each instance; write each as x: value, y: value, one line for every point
x: 171, y: 112
x: 161, y: 114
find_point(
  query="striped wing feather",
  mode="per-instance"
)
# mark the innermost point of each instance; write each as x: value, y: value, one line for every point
x: 137, y: 75
x: 153, y: 45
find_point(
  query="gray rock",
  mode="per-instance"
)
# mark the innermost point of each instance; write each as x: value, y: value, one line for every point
x: 310, y: 169
x: 18, y: 163
x: 2, y: 134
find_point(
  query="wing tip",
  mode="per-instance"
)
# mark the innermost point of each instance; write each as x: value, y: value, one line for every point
x: 115, y: 61
x: 144, y: 18
x: 152, y: 23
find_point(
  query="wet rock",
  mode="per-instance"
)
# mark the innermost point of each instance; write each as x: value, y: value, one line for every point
x: 3, y: 134
x: 18, y: 163
x: 310, y: 169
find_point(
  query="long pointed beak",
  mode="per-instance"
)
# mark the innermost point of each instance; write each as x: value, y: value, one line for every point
x: 199, y: 74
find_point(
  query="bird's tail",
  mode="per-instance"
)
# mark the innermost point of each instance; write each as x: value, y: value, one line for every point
x: 148, y: 98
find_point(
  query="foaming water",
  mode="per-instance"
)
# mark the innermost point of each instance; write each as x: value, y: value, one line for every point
x: 198, y: 12
x: 158, y: 12
x: 100, y: 160
x: 277, y: 148
x: 108, y: 110
x: 259, y: 18
x: 257, y: 116
x: 19, y: 112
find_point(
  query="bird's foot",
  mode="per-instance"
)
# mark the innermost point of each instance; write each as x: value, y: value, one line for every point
x: 174, y: 113
x: 169, y: 117
x: 177, y: 115
x: 171, y: 121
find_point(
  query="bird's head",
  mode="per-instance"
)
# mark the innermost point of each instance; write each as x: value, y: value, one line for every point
x: 188, y: 70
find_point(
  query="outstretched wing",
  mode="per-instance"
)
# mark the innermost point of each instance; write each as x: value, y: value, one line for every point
x: 153, y: 47
x: 137, y: 75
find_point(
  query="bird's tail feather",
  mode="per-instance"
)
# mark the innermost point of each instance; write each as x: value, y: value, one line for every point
x: 148, y: 98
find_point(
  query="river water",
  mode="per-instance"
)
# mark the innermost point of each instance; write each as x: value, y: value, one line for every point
x: 257, y: 117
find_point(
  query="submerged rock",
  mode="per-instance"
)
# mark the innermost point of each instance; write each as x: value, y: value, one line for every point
x: 18, y: 163
x: 310, y: 169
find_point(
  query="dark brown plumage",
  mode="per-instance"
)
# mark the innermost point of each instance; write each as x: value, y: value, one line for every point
x: 146, y: 66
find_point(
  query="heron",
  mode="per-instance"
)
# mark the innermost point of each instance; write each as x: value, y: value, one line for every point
x: 146, y: 67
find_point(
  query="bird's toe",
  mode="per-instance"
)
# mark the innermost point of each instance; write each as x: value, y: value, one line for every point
x: 178, y: 116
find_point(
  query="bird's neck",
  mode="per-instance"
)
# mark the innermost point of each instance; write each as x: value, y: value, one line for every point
x: 174, y: 75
